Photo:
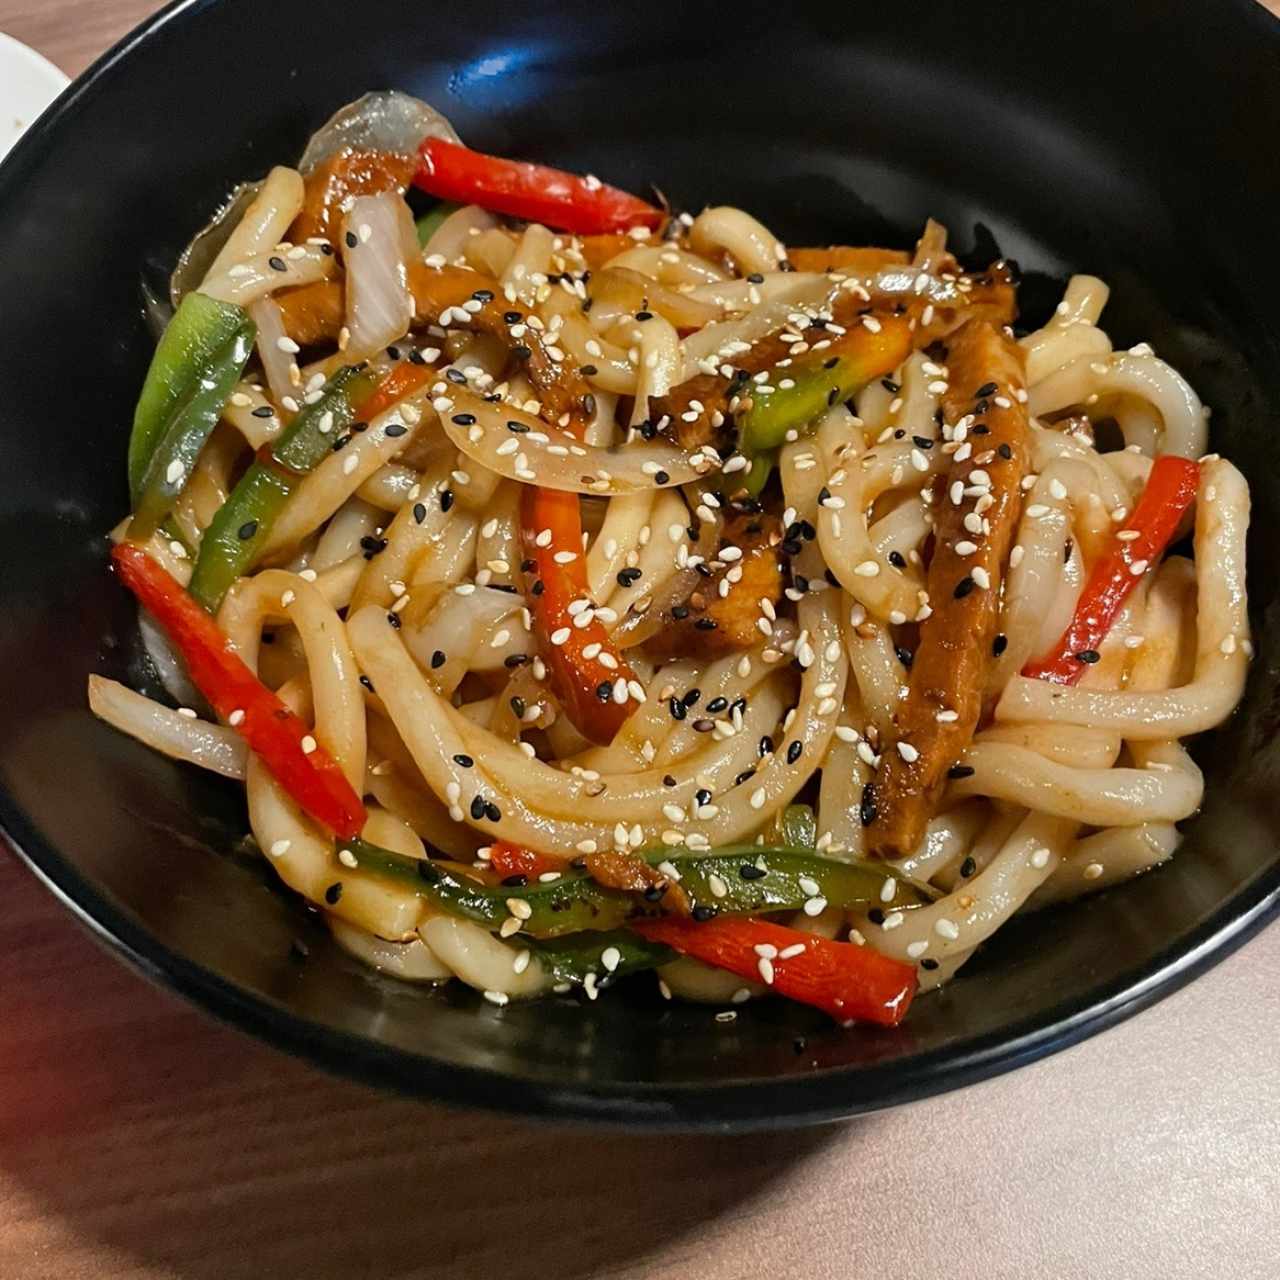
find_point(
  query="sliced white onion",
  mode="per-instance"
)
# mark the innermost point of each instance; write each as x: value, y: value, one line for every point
x: 169, y: 667
x: 387, y: 120
x: 451, y: 236
x: 377, y: 243
x: 544, y: 454
x: 277, y: 363
x: 211, y: 746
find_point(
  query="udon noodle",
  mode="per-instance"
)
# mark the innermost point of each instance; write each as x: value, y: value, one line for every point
x: 763, y: 618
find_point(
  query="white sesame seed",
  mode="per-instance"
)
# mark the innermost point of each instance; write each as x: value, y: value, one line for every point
x: 498, y: 997
x: 1093, y: 871
x: 1040, y: 858
x: 916, y: 949
x: 815, y: 906
x: 908, y: 752
x: 308, y: 745
x: 892, y: 921
x: 981, y: 577
x: 809, y: 886
x: 347, y: 858
x: 889, y: 889
x: 279, y: 848
x: 945, y: 928
x: 1138, y: 568
x: 519, y: 908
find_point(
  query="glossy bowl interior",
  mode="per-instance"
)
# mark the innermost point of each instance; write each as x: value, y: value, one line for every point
x: 1133, y: 141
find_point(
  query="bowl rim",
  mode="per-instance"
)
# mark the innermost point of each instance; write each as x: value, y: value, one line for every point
x: 731, y: 1106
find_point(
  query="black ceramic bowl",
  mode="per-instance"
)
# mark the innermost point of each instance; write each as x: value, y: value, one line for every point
x: 1135, y: 141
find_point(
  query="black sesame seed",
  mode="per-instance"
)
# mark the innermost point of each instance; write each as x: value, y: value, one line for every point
x: 396, y: 429
x: 521, y: 352
x: 483, y: 295
x: 333, y: 893
x: 831, y: 364
x: 277, y: 264
x: 702, y: 914
x: 890, y: 386
x: 1088, y: 656
x: 438, y: 660
x: 980, y: 430
x: 960, y: 771
x: 905, y: 656
x: 517, y: 881
x: 1066, y: 551
x: 999, y: 644
x: 661, y: 477
x: 515, y: 660
x: 929, y: 963
x: 987, y: 389
x: 680, y: 612
x: 755, y: 278
x: 744, y: 776
x: 492, y: 812
x: 794, y: 751
x: 749, y: 871
x: 465, y: 761
x: 477, y: 806
x: 517, y: 706
x: 628, y: 577
x: 690, y: 699
x: 668, y: 780
x: 263, y: 411
x: 588, y: 371
x: 247, y: 530
x: 528, y: 566
x: 765, y: 747
x: 512, y: 317
x: 464, y: 419
x: 701, y: 796
x: 832, y: 396
x: 897, y: 559
x: 867, y: 806
x: 419, y: 512
x: 351, y: 240
x: 589, y: 404
x: 717, y: 705
x: 446, y: 500
x: 517, y: 427
x: 963, y: 587
x: 456, y: 376
x: 368, y: 684
x: 644, y: 315
x: 678, y: 709
x: 922, y: 442
x: 968, y: 867
x: 604, y: 690
x: 416, y: 357
x: 875, y: 915
x: 654, y: 893
x: 538, y: 587
x: 394, y: 619
x: 1005, y: 451
x: 703, y: 726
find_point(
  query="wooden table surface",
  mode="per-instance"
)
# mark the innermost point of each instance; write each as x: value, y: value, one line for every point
x: 139, y: 1139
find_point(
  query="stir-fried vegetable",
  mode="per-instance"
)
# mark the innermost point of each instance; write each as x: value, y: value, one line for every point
x: 594, y: 685
x: 1136, y: 548
x: 243, y: 524
x: 848, y: 981
x: 803, y: 391
x: 239, y: 531
x: 738, y: 880
x: 508, y: 860
x: 596, y: 956
x: 279, y: 737
x: 197, y: 363
x: 431, y: 221
x: 530, y: 191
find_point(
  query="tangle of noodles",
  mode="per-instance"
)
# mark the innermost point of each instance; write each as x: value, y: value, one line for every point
x: 389, y: 605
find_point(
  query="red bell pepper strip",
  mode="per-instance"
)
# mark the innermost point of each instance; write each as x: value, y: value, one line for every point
x: 848, y: 981
x: 514, y: 860
x: 1171, y: 488
x: 303, y: 768
x: 529, y: 191
x: 593, y: 691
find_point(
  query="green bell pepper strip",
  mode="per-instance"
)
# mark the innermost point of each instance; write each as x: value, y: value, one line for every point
x: 433, y: 220
x: 238, y: 532
x: 738, y: 880
x: 758, y: 474
x: 573, y: 958
x: 818, y: 382
x: 196, y: 365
